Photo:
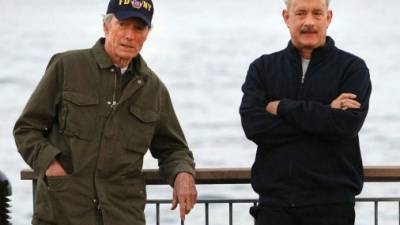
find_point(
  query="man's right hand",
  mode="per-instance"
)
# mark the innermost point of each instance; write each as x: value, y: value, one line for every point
x: 55, y: 170
x: 345, y: 101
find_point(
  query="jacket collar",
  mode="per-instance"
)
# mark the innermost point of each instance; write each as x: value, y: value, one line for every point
x: 318, y: 54
x: 100, y: 54
x: 140, y: 66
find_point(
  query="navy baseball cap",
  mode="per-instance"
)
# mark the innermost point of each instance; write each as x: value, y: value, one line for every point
x: 126, y: 9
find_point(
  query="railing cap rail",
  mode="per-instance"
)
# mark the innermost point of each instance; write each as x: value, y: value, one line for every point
x: 242, y: 175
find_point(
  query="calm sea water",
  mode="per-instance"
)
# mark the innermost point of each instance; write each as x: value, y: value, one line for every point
x: 201, y: 49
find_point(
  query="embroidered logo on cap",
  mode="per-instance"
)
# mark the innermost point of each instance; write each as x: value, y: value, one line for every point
x: 137, y: 4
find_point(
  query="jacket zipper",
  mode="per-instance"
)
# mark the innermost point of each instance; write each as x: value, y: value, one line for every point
x: 114, y: 101
x: 113, y: 105
x: 299, y: 93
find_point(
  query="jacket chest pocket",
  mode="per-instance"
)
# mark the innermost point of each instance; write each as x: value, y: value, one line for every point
x: 78, y: 115
x: 139, y: 128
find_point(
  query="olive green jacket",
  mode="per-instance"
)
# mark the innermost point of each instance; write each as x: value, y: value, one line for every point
x: 70, y: 117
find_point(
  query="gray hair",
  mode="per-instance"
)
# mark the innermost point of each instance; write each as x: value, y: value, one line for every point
x: 287, y: 2
x: 107, y: 18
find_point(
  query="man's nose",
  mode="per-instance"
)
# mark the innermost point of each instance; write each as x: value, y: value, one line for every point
x: 130, y: 34
x: 309, y: 20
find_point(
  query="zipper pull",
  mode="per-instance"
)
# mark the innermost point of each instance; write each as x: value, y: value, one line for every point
x: 112, y: 104
x: 97, y: 206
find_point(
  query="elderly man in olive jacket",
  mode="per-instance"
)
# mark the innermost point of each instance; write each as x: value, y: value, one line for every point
x: 89, y: 123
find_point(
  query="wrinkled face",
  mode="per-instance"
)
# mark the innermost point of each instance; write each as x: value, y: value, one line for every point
x: 308, y: 21
x: 124, y: 38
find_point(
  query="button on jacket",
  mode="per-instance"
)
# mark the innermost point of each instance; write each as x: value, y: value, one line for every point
x: 99, y: 133
x: 309, y: 153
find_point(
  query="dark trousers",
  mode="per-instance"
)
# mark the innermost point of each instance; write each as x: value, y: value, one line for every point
x: 334, y: 214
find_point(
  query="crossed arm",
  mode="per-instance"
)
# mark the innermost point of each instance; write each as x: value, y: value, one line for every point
x: 344, y: 101
x: 279, y: 121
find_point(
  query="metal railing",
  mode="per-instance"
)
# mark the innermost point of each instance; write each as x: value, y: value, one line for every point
x: 226, y: 176
x: 231, y: 202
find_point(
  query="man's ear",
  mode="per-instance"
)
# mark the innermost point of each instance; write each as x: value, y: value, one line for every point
x: 329, y: 16
x: 105, y: 28
x: 285, y: 16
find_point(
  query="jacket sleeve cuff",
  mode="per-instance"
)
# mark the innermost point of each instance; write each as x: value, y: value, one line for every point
x: 180, y: 169
x: 45, y: 157
x: 284, y: 107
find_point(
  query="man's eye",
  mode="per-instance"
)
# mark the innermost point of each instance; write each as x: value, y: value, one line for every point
x: 318, y: 13
x: 140, y: 26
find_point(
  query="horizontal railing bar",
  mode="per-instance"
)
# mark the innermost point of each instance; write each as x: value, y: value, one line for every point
x: 249, y: 200
x: 384, y: 199
x: 203, y: 201
x: 242, y: 175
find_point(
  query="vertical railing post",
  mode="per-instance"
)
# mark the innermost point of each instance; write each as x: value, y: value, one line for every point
x: 254, y: 204
x: 376, y: 211
x: 158, y: 213
x: 207, y: 216
x: 230, y: 213
x: 399, y: 212
x: 34, y: 186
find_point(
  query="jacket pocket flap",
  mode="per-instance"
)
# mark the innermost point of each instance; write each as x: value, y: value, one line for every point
x: 80, y: 99
x: 144, y: 115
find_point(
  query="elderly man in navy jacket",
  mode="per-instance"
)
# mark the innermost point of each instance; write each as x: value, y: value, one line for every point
x: 303, y: 107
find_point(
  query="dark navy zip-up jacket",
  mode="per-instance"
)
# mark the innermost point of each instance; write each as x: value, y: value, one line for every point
x: 309, y: 153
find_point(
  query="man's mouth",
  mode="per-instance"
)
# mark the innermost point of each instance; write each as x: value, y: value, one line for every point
x: 308, y: 31
x: 126, y: 46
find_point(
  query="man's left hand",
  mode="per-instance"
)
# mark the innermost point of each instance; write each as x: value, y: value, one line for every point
x: 184, y: 193
x: 272, y: 107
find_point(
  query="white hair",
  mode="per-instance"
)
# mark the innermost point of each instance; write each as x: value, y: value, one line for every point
x: 287, y: 2
x: 107, y: 18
